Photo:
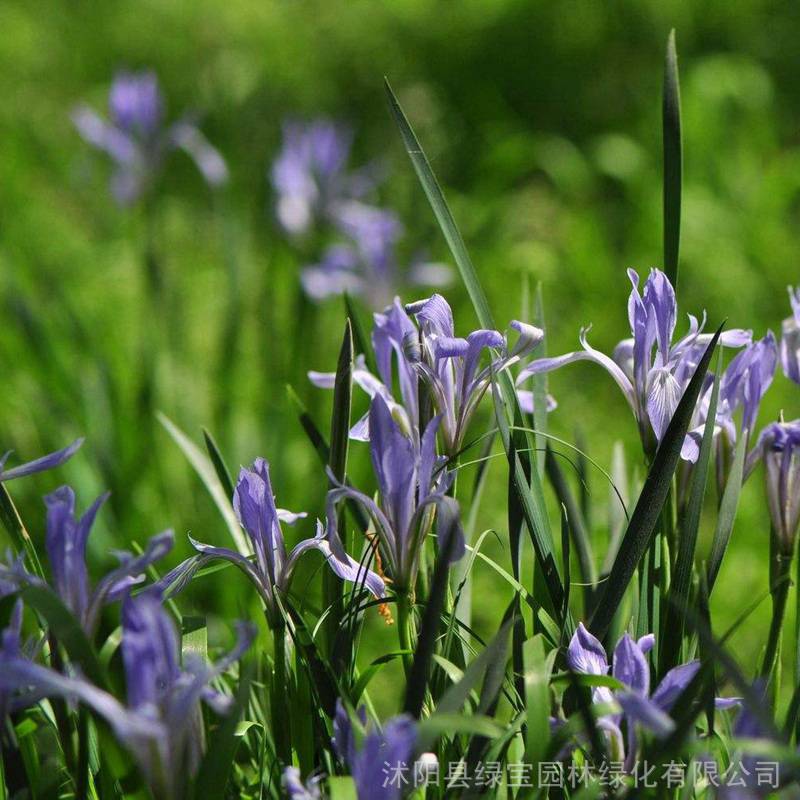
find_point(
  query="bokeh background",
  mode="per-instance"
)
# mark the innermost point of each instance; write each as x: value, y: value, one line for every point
x: 542, y: 121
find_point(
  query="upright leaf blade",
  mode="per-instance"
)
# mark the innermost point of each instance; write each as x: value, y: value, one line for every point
x: 439, y: 205
x: 654, y: 493
x: 218, y: 462
x: 682, y: 576
x: 673, y: 161
x: 205, y: 470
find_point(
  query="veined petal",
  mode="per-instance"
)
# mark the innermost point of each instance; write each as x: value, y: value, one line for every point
x: 630, y: 665
x: 50, y: 461
x: 663, y: 395
x: 434, y: 315
x: 585, y: 654
x: 658, y: 298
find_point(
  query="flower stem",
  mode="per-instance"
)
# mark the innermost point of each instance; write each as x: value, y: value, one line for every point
x: 780, y: 573
x: 405, y: 632
x: 279, y: 692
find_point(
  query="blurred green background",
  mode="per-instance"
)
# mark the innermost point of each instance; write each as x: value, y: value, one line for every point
x: 542, y: 121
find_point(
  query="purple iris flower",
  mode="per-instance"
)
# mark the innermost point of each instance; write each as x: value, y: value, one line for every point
x: 161, y: 723
x: 138, y: 140
x: 742, y: 386
x: 66, y: 540
x: 297, y: 790
x: 779, y: 447
x: 271, y: 569
x: 790, y: 341
x: 449, y: 366
x: 310, y: 174
x: 409, y: 484
x: 639, y: 705
x: 377, y: 766
x: 651, y: 370
x: 50, y: 461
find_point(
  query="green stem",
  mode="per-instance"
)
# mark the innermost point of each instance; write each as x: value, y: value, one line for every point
x: 279, y: 692
x: 781, y: 580
x: 82, y: 782
x: 404, y: 630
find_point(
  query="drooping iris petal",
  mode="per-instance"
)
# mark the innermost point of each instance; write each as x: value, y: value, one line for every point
x: 209, y: 162
x: 50, y: 461
x: 638, y: 708
x: 673, y: 683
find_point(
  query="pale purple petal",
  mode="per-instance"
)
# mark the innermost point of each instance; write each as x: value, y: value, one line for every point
x: 663, y: 395
x: 630, y: 665
x: 638, y: 708
x: 211, y: 164
x: 673, y: 683
x: 50, y: 461
x: 585, y: 654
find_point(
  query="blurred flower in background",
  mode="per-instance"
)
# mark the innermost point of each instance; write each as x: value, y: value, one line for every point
x: 138, y: 140
x: 790, y: 342
x: 318, y: 195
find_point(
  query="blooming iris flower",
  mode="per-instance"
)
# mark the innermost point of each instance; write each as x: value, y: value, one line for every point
x: 742, y: 385
x: 50, y: 461
x: 448, y: 365
x: 382, y: 757
x: 271, y: 570
x: 160, y: 724
x: 651, y: 370
x: 790, y: 341
x: 408, y: 487
x: 66, y: 540
x: 639, y: 706
x: 779, y: 446
x: 137, y: 139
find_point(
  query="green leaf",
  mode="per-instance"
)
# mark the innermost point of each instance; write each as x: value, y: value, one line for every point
x: 342, y: 787
x: 205, y: 471
x: 454, y: 698
x: 219, y: 464
x: 673, y: 161
x: 445, y: 219
x: 342, y: 396
x: 448, y: 724
x: 642, y: 525
x: 373, y: 669
x: 63, y: 624
x: 417, y: 682
x: 215, y: 769
x: 672, y: 628
x: 577, y: 526
x: 20, y: 537
x: 726, y: 516
x: 360, y: 339
x: 538, y: 669
x: 194, y: 638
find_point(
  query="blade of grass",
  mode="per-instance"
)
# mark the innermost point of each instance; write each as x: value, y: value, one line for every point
x: 669, y: 654
x: 20, y: 537
x: 726, y: 517
x: 205, y: 471
x: 219, y: 464
x: 655, y: 491
x: 360, y: 338
x: 673, y: 161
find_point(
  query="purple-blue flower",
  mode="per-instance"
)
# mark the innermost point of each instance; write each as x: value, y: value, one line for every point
x: 651, y: 370
x: 50, y: 461
x: 161, y: 723
x: 292, y: 783
x: 381, y: 765
x: 639, y: 705
x: 411, y: 480
x: 742, y: 386
x: 790, y: 340
x: 449, y: 366
x: 271, y: 569
x: 137, y: 139
x: 65, y: 542
x: 779, y: 447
